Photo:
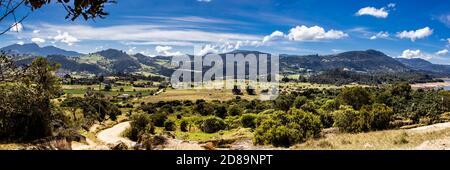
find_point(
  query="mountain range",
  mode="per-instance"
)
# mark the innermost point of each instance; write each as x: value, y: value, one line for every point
x: 113, y: 61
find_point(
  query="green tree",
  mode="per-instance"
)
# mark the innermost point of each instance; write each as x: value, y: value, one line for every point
x: 281, y: 129
x: 355, y: 96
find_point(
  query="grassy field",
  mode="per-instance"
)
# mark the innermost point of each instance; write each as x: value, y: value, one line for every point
x: 80, y: 90
x: 193, y: 94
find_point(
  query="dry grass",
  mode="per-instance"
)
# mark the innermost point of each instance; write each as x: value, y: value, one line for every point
x: 380, y: 140
x: 193, y: 94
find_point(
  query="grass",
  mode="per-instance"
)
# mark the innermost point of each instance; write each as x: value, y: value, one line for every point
x: 379, y: 140
x: 193, y: 94
x: 79, y: 90
x: 223, y: 134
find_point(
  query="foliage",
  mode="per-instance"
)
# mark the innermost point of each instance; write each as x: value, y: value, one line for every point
x: 212, y: 124
x: 169, y: 125
x: 355, y: 96
x: 140, y: 124
x: 248, y: 120
x: 281, y: 129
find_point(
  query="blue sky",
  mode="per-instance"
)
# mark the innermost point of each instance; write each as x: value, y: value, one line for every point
x: 402, y: 28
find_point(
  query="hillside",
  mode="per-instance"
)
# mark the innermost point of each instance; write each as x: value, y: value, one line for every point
x: 112, y: 61
x: 35, y: 50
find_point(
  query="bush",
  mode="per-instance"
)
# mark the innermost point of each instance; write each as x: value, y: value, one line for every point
x: 140, y: 124
x: 234, y: 110
x: 248, y: 120
x: 349, y: 120
x: 281, y: 129
x: 169, y: 125
x: 380, y: 116
x: 355, y: 96
x: 212, y: 124
x: 184, y: 125
x: 300, y: 101
x: 158, y: 119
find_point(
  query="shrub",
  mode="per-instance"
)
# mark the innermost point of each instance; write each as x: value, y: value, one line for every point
x: 355, y: 96
x: 300, y: 101
x: 281, y: 129
x: 380, y: 116
x: 158, y: 119
x: 184, y: 125
x: 234, y: 110
x: 169, y: 125
x: 212, y: 124
x: 349, y: 120
x: 140, y: 124
x: 248, y: 120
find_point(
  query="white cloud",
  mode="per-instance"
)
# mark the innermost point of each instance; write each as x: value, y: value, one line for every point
x: 274, y: 35
x: 131, y: 50
x: 417, y: 34
x: 448, y: 40
x: 16, y: 27
x: 145, y: 33
x: 21, y: 43
x: 415, y: 54
x: 38, y: 40
x: 36, y: 31
x: 380, y: 35
x: 391, y: 5
x: 379, y: 13
x: 65, y: 38
x: 442, y: 52
x: 166, y: 51
x: 208, y: 48
x: 203, y: 0
x: 304, y: 33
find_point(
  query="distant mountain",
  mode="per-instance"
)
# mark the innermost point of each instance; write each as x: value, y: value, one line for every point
x: 369, y: 61
x: 112, y: 61
x: 33, y: 49
x: 426, y: 66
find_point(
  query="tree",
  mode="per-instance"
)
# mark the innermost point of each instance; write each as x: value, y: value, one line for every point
x: 355, y: 96
x: 7, y: 68
x: 25, y: 108
x: 88, y: 9
x: 286, y: 129
x: 73, y: 103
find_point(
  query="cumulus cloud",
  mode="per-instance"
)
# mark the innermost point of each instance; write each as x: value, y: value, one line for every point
x: 375, y: 12
x: 65, y: 38
x: 379, y: 13
x: 380, y: 35
x: 409, y: 54
x: 417, y: 34
x: 16, y: 27
x: 38, y: 40
x: 166, y: 51
x: 442, y: 52
x: 21, y: 43
x: 274, y: 35
x: 304, y: 33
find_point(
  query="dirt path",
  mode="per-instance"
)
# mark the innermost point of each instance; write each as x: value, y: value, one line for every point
x: 438, y: 144
x: 106, y: 137
x: 113, y: 135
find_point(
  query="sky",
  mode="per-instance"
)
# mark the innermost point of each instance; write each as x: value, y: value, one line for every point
x: 402, y: 28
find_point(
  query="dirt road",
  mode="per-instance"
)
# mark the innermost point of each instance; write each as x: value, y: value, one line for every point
x: 106, y: 137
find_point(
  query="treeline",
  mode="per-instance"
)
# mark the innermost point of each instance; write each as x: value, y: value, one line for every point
x: 342, y: 77
x: 299, y: 116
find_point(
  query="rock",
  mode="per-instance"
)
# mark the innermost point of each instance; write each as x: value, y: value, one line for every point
x: 208, y: 146
x: 119, y: 146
